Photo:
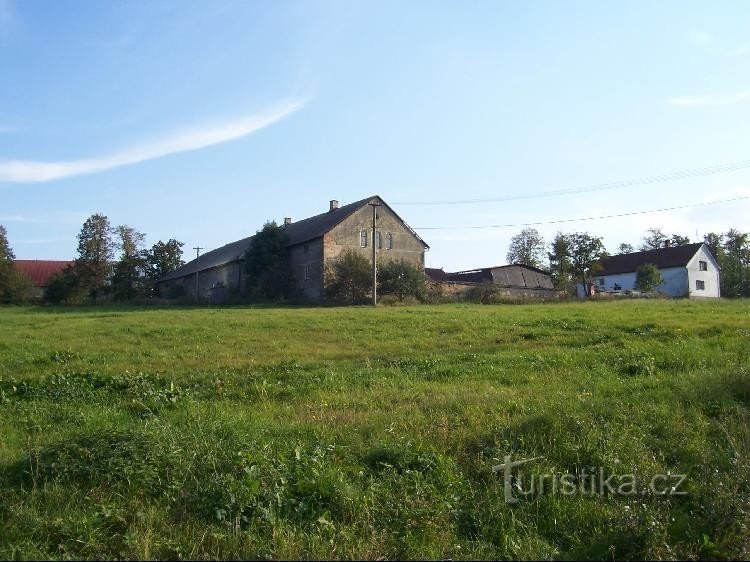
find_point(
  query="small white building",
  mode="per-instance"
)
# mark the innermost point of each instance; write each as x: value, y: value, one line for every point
x: 687, y: 271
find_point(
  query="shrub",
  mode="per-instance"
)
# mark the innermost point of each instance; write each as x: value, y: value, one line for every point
x: 401, y: 279
x: 648, y: 278
x: 349, y: 278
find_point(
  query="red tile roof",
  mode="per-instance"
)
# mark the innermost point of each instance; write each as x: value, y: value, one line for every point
x: 40, y: 271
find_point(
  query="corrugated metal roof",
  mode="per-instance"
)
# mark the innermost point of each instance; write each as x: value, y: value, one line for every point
x: 297, y: 233
x: 675, y: 256
x: 40, y: 271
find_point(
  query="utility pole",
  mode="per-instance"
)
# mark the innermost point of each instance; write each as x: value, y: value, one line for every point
x: 374, y: 255
x: 197, y: 255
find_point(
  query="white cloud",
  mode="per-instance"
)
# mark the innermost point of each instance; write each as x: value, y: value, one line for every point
x: 705, y: 41
x: 702, y: 38
x: 32, y: 171
x: 710, y: 100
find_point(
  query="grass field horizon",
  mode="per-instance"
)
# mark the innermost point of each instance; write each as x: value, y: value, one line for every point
x: 360, y: 432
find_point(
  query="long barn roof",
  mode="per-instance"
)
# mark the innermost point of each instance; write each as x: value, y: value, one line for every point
x: 675, y: 256
x: 297, y: 233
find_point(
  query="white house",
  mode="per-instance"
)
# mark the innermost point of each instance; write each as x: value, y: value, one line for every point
x: 687, y: 271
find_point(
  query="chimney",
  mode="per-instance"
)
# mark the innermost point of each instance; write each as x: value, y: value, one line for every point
x: 287, y: 220
x: 334, y: 205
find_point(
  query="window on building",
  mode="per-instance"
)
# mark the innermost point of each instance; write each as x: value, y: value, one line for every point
x: 378, y: 241
x: 306, y: 248
x: 389, y: 241
x: 703, y: 266
x: 363, y: 238
x: 600, y: 281
x: 307, y: 271
x: 700, y: 285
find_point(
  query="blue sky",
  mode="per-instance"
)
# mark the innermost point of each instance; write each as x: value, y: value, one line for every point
x: 200, y: 120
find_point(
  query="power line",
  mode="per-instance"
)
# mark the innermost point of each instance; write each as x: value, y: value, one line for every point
x: 560, y: 221
x: 682, y: 174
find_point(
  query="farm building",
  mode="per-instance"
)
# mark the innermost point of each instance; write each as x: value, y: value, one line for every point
x: 517, y: 280
x: 39, y: 272
x: 687, y: 271
x: 312, y: 243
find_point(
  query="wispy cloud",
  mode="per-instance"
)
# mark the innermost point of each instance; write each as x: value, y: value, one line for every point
x: 710, y: 100
x: 63, y: 217
x: 705, y: 41
x: 33, y: 171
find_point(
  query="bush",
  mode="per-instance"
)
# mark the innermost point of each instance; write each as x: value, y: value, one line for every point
x: 648, y: 278
x: 401, y: 279
x: 14, y: 285
x: 349, y: 278
x: 65, y: 288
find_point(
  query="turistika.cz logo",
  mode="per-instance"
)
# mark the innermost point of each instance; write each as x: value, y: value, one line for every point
x: 585, y: 482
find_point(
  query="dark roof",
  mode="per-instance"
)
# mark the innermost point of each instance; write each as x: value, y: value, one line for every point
x: 435, y: 274
x: 297, y: 233
x: 40, y: 271
x: 506, y: 275
x: 675, y: 256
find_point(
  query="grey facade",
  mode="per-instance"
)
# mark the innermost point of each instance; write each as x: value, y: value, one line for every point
x: 313, y: 243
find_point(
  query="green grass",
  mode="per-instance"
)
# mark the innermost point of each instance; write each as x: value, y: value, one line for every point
x: 371, y: 433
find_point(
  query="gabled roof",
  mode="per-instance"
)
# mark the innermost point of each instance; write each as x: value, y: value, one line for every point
x: 675, y: 256
x: 435, y: 274
x: 40, y: 271
x: 297, y: 233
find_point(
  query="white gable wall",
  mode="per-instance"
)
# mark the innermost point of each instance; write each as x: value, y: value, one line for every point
x: 710, y: 277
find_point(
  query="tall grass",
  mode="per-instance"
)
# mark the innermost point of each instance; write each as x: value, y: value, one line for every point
x: 371, y: 433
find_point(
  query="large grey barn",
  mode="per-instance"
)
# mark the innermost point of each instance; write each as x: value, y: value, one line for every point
x: 312, y: 243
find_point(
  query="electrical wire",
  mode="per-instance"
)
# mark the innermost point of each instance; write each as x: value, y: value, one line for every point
x: 682, y: 174
x: 562, y: 221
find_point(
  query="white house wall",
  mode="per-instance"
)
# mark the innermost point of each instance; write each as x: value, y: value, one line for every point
x: 710, y: 278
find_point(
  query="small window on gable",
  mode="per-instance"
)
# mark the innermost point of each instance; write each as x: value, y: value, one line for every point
x: 378, y: 241
x: 700, y: 285
x: 389, y: 241
x: 363, y: 238
x: 703, y: 265
x: 307, y: 271
x: 306, y: 248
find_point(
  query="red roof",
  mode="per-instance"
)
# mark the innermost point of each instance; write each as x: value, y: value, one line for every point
x: 40, y: 271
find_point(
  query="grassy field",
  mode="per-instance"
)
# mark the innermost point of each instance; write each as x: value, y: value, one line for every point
x: 359, y: 432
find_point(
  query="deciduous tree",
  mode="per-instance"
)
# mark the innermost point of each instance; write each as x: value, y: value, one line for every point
x: 527, y: 248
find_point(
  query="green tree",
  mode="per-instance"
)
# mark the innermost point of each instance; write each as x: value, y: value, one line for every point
x: 625, y: 248
x: 585, y: 252
x: 95, y: 253
x: 64, y: 287
x: 401, y: 279
x: 14, y: 286
x: 349, y: 278
x: 269, y: 272
x: 162, y: 258
x: 128, y: 279
x: 735, y: 273
x: 527, y: 247
x: 559, y: 262
x: 648, y: 277
x: 715, y: 243
x: 678, y: 240
x: 654, y: 239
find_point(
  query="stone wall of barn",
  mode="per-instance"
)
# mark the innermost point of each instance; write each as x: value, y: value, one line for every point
x: 348, y: 235
x: 307, y: 265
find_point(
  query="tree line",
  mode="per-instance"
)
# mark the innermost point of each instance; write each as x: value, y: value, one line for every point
x: 572, y: 258
x: 111, y: 263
